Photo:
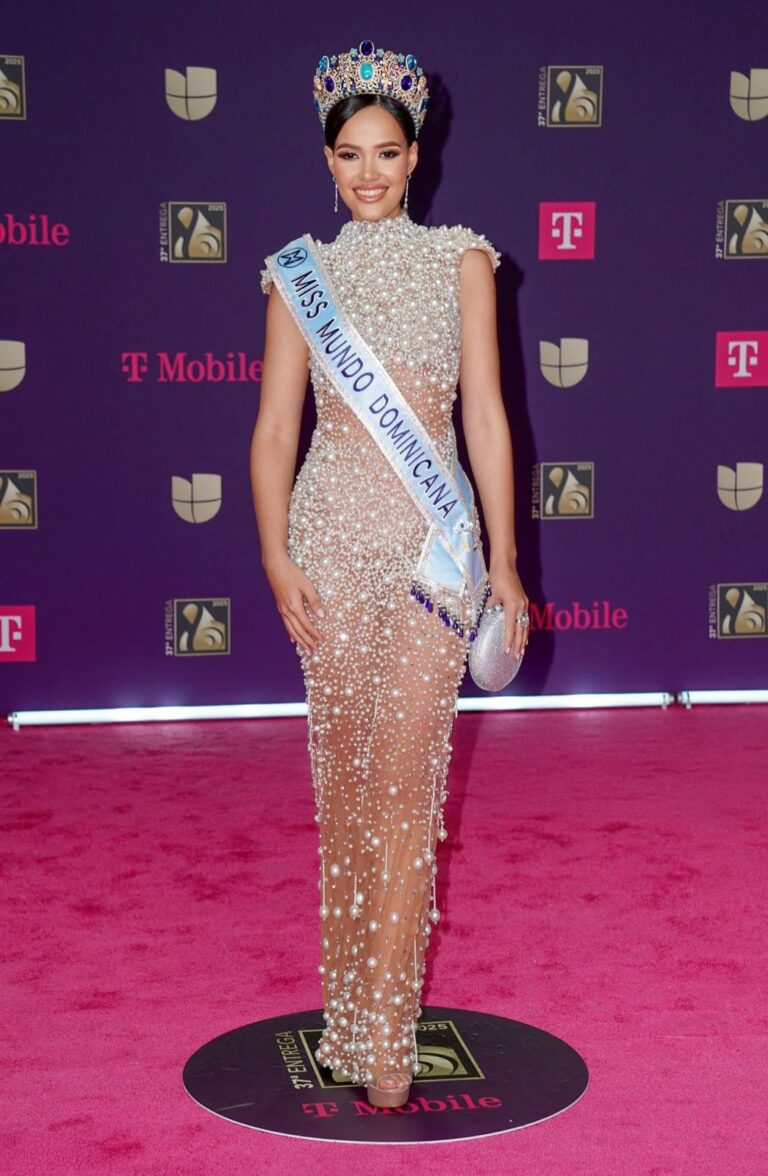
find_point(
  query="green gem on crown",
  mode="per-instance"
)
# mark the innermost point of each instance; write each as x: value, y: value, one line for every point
x: 366, y: 71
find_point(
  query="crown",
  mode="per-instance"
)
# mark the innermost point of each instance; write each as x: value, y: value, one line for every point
x: 368, y: 70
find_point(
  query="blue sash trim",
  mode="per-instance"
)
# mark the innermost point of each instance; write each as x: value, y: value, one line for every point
x: 451, y: 565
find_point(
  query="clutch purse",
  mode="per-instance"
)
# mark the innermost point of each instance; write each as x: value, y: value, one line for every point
x: 490, y: 667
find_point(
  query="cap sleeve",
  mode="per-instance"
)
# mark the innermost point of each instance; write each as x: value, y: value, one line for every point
x: 466, y: 238
x: 266, y: 280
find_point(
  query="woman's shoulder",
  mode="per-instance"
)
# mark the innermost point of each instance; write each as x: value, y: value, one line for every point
x: 458, y: 238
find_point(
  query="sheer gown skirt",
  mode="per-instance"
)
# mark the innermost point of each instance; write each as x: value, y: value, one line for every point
x: 381, y: 693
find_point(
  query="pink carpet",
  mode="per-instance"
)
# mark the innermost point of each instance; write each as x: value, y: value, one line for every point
x: 604, y: 879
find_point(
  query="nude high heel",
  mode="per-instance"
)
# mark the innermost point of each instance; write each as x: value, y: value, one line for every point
x: 394, y: 1094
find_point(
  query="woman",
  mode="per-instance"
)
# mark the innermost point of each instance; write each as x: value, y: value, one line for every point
x: 381, y: 631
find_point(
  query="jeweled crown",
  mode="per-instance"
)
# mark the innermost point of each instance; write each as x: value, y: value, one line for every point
x: 368, y: 70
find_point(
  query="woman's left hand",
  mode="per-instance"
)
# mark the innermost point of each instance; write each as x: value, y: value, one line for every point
x: 508, y: 591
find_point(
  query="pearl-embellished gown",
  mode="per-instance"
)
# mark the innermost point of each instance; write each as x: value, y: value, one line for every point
x: 381, y: 687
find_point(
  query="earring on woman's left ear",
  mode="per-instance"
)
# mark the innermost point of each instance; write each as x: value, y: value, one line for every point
x: 335, y: 196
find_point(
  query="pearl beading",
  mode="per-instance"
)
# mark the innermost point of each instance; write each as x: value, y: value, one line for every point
x: 382, y: 686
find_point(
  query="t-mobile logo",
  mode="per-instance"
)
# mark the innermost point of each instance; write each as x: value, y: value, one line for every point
x: 566, y: 227
x: 567, y: 231
x: 17, y: 632
x: 742, y: 356
x: 741, y: 359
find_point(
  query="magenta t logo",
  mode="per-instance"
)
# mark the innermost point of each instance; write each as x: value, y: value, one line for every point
x: 741, y: 359
x: 567, y: 230
x: 17, y: 632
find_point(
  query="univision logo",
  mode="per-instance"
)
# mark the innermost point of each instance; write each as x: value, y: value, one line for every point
x: 564, y: 364
x: 13, y: 363
x: 740, y: 488
x: 198, y: 500
x: 749, y: 94
x: 191, y: 95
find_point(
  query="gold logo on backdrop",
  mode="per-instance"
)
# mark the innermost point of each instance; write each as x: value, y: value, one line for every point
x: 574, y: 95
x: 740, y: 488
x: 745, y: 228
x: 564, y: 364
x: 201, y: 626
x: 13, y: 90
x: 742, y: 610
x: 13, y: 364
x: 441, y: 1050
x: 749, y: 94
x: 18, y: 499
x: 192, y: 95
x: 197, y: 231
x: 198, y: 500
x: 564, y: 490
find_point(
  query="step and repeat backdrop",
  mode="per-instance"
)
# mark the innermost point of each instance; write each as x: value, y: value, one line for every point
x: 153, y: 155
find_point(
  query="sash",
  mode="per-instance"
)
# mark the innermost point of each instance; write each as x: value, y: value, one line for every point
x: 450, y: 570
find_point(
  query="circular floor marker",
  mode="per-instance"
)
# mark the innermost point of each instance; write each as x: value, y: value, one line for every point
x: 481, y: 1075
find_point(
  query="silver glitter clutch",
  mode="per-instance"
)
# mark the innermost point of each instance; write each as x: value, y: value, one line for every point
x: 490, y: 667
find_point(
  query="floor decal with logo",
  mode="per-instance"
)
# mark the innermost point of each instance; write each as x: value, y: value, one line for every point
x: 481, y: 1075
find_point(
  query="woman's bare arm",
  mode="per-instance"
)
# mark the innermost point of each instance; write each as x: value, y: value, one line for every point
x: 487, y: 434
x: 274, y: 448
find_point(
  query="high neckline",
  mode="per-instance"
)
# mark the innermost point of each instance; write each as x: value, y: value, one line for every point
x: 385, y: 224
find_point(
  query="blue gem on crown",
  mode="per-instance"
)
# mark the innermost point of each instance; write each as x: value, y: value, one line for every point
x: 370, y: 70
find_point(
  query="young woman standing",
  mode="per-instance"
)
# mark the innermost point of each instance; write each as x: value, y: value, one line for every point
x: 373, y: 553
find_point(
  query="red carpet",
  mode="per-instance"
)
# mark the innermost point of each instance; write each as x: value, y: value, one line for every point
x: 604, y: 879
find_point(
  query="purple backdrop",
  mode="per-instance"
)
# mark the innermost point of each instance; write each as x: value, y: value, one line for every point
x: 100, y: 151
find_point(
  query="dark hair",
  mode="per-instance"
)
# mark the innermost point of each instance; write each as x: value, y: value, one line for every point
x: 343, y: 110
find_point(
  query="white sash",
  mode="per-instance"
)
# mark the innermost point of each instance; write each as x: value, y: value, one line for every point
x: 450, y: 570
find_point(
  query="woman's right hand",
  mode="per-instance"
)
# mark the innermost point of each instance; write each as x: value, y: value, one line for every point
x: 292, y: 587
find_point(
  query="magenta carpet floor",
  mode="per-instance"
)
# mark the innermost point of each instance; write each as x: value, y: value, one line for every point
x: 604, y: 879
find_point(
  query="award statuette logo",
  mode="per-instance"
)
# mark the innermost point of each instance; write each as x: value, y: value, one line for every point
x: 198, y: 500
x: 443, y: 1054
x: 564, y: 364
x: 193, y: 231
x: 563, y: 490
x: 749, y: 94
x: 18, y: 500
x: 572, y: 96
x: 13, y: 363
x: 191, y: 95
x: 740, y: 488
x: 201, y: 627
x: 13, y: 89
x: 742, y: 610
x: 742, y: 230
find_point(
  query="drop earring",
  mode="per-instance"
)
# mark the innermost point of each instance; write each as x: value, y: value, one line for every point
x: 407, y: 182
x: 335, y: 196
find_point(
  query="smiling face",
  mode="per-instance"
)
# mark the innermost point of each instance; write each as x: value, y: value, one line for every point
x: 370, y: 162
